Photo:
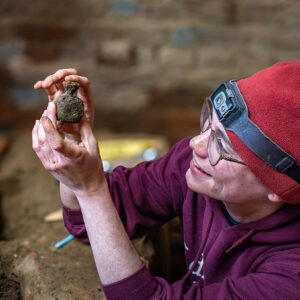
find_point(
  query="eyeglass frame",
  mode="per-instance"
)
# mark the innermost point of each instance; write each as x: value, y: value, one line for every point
x: 212, y: 132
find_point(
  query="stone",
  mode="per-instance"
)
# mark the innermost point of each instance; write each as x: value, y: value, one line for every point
x: 69, y: 108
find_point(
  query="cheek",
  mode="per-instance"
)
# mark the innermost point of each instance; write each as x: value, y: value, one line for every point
x: 243, y: 185
x: 229, y: 183
x: 255, y: 187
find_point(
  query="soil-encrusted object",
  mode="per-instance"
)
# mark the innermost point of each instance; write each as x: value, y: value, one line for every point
x: 69, y: 108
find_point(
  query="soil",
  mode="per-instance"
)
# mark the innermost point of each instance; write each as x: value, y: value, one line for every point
x: 9, y: 288
x: 30, y: 266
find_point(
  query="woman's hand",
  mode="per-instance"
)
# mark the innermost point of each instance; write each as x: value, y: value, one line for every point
x: 79, y: 167
x: 53, y: 86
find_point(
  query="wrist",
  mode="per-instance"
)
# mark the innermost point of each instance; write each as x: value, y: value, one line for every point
x: 68, y: 198
x: 92, y: 191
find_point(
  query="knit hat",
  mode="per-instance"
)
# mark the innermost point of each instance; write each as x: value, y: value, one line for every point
x: 273, y: 99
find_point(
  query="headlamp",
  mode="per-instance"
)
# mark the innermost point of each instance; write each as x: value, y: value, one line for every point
x: 232, y: 112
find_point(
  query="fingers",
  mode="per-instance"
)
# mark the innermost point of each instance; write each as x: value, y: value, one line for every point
x: 53, y: 83
x: 85, y: 93
x: 84, y: 84
x: 56, y: 142
x: 60, y: 86
x: 83, y: 81
x: 58, y: 76
x: 41, y: 147
x: 88, y: 137
x: 38, y: 85
x: 35, y: 142
x: 51, y: 113
x: 49, y: 146
x: 51, y: 91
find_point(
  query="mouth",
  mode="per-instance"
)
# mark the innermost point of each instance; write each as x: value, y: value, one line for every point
x: 199, y: 168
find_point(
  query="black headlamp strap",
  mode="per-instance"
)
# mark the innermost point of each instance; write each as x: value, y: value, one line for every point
x: 239, y: 122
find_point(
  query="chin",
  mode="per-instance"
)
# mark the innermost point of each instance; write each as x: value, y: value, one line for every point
x: 196, y: 184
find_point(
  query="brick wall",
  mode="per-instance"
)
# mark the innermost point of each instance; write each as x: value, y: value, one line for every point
x: 150, y: 62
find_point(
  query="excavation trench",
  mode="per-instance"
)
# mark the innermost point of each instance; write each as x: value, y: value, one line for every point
x: 30, y: 266
x: 10, y: 287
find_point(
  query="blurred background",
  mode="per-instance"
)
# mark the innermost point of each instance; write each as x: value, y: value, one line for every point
x: 150, y: 64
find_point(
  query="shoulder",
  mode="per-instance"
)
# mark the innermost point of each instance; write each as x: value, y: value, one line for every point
x: 181, y: 151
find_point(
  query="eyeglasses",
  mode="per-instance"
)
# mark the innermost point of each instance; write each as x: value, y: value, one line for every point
x: 217, y: 148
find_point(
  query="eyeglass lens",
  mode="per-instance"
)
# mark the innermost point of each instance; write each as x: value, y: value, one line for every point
x: 214, y: 151
x: 214, y: 147
x: 205, y: 118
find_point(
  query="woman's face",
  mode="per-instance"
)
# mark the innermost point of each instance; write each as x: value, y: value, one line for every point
x: 227, y: 181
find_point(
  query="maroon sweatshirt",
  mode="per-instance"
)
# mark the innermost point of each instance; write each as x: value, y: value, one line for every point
x: 257, y: 260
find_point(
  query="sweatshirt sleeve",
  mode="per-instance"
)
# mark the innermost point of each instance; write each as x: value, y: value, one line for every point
x: 278, y: 278
x: 145, y: 196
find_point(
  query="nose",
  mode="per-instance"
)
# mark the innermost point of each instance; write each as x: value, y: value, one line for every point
x: 199, y: 143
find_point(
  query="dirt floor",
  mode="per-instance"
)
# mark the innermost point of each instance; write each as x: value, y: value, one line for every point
x: 30, y: 266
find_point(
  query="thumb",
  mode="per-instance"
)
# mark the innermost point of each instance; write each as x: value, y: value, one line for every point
x: 51, y: 113
x: 56, y: 142
x: 87, y: 136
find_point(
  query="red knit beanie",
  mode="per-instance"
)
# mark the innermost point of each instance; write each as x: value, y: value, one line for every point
x: 273, y: 99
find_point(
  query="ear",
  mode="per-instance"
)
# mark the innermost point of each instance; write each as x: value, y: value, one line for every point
x: 274, y: 198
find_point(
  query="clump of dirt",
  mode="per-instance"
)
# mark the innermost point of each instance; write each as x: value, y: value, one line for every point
x: 10, y: 289
x: 69, y: 108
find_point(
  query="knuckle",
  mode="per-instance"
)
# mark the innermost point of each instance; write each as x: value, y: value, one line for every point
x: 36, y: 148
x: 47, y: 165
x: 63, y: 165
x: 42, y: 141
x: 58, y: 146
x: 59, y: 73
x: 51, y: 167
x: 86, y: 80
x: 60, y: 165
x: 48, y: 78
x: 54, y: 77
